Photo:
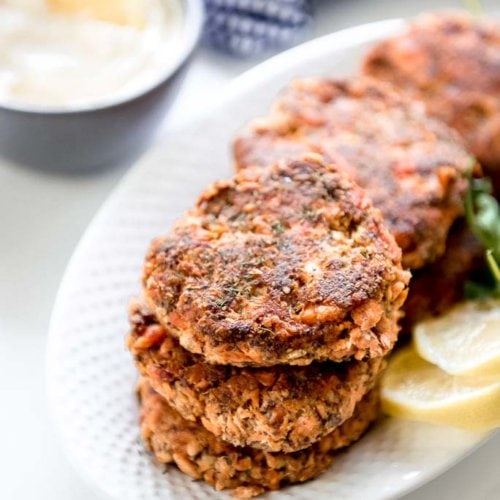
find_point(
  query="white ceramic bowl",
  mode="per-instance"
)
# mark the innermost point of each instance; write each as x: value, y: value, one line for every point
x: 93, y: 136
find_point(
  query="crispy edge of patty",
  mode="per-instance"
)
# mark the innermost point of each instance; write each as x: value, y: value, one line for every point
x: 247, y: 471
x: 436, y: 288
x: 327, y: 286
x: 449, y: 60
x: 281, y: 408
x: 419, y: 199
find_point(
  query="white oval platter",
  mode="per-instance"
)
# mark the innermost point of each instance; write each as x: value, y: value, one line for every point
x: 90, y: 374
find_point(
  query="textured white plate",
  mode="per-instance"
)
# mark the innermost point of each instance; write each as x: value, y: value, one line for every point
x: 90, y: 374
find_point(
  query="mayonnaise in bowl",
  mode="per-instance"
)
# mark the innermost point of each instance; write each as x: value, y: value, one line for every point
x: 66, y: 61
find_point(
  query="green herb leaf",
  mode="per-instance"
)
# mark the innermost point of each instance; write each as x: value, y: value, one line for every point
x: 477, y: 291
x: 483, y: 216
x: 493, y: 265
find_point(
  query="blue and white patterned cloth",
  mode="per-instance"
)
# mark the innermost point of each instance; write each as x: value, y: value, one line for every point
x: 250, y: 27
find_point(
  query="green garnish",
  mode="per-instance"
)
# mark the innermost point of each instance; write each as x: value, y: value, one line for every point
x: 483, y: 216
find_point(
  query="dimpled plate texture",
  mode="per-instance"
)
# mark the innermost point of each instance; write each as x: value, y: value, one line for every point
x: 90, y: 374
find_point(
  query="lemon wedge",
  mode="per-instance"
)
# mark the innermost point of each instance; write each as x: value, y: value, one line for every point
x: 124, y: 12
x: 465, y: 341
x: 415, y: 389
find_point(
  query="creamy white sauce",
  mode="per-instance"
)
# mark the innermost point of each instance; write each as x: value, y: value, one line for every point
x: 64, y: 61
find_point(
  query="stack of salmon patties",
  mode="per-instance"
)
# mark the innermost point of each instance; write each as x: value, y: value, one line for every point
x: 269, y: 309
x: 266, y: 315
x: 450, y: 62
x: 413, y: 167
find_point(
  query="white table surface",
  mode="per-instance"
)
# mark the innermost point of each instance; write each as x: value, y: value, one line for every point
x: 42, y: 217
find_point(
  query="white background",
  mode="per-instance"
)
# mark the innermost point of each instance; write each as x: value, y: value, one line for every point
x: 42, y: 217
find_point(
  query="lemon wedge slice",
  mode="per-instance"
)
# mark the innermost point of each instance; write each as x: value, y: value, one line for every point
x: 465, y: 341
x: 124, y: 12
x: 415, y: 389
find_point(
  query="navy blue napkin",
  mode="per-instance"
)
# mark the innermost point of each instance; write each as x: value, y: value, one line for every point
x: 250, y: 27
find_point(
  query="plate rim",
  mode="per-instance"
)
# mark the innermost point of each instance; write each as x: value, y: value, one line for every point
x: 342, y: 39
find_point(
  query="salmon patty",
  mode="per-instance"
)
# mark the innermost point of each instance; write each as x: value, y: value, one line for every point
x: 249, y: 472
x: 451, y: 61
x: 286, y: 264
x: 411, y: 166
x: 280, y: 408
x: 438, y: 287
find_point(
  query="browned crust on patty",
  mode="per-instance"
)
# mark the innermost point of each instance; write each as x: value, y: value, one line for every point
x: 249, y: 472
x: 411, y: 166
x: 451, y: 61
x: 436, y: 288
x: 286, y: 264
x: 280, y: 408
